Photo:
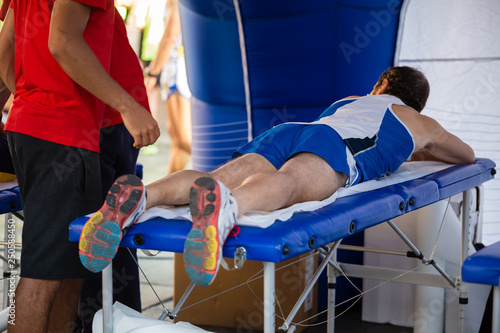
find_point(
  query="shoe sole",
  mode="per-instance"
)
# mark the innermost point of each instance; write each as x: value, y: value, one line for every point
x: 102, y: 233
x: 202, y: 249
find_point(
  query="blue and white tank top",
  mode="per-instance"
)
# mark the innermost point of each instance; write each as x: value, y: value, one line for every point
x: 377, y: 141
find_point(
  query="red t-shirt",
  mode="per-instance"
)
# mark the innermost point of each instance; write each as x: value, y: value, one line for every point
x: 48, y: 104
x: 126, y: 70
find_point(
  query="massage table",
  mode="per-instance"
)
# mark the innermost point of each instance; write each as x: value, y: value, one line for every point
x: 321, y: 230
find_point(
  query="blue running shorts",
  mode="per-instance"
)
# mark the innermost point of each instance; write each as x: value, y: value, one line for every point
x: 282, y: 142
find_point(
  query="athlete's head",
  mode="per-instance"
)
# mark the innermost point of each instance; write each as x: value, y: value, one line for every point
x: 406, y: 83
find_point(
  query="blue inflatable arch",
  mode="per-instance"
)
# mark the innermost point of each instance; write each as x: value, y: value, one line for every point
x: 253, y: 64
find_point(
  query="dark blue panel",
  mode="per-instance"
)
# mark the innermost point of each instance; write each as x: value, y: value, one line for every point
x: 369, y: 4
x: 365, y: 44
x: 213, y: 58
x: 255, y: 9
x: 216, y: 9
x: 280, y: 9
x: 288, y: 63
x: 266, y: 118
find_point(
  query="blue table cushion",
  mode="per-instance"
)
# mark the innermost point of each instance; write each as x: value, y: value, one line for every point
x: 483, y: 266
x: 10, y: 200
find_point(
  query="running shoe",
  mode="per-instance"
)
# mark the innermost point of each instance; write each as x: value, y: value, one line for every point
x: 103, y: 232
x: 214, y: 211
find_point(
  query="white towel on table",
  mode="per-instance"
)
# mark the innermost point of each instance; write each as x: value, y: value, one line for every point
x: 263, y: 219
x: 8, y: 185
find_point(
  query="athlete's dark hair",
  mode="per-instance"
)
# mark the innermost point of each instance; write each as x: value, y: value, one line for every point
x: 408, y: 84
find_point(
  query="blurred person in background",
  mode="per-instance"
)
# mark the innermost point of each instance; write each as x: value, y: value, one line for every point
x: 169, y: 68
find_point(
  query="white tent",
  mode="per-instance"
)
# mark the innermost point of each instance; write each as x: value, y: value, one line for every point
x: 457, y: 45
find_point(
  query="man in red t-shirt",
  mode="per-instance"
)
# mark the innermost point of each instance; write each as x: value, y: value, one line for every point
x: 117, y: 157
x: 58, y: 108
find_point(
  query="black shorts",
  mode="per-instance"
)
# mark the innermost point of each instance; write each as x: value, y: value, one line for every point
x: 118, y: 156
x: 57, y: 184
x: 5, y: 159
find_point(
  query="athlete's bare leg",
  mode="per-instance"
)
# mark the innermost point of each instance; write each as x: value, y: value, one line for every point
x: 305, y: 177
x: 179, y: 129
x: 174, y: 189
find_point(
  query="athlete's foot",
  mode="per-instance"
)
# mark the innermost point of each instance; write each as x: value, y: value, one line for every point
x: 102, y: 233
x: 214, y: 211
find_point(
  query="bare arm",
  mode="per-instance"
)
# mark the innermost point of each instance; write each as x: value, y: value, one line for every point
x: 432, y: 141
x: 7, y: 48
x: 447, y: 147
x: 167, y: 41
x: 69, y: 48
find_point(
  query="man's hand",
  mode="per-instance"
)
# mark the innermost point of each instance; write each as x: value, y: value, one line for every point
x: 141, y: 125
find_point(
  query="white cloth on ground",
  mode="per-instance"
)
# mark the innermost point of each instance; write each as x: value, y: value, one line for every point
x: 127, y: 320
